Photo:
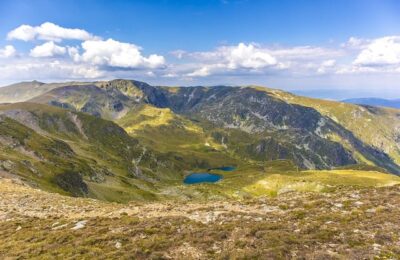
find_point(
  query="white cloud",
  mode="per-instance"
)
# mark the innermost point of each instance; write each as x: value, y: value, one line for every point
x: 305, y: 53
x: 53, y: 70
x: 248, y: 56
x: 383, y: 51
x: 201, y: 72
x: 326, y: 66
x: 73, y: 52
x: 8, y: 51
x: 328, y: 63
x: 178, y: 53
x: 243, y: 63
x: 230, y: 58
x: 92, y: 59
x: 116, y: 54
x: 253, y: 59
x: 355, y: 43
x: 170, y: 75
x: 48, y: 32
x: 48, y: 49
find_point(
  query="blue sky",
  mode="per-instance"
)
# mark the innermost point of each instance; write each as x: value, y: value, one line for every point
x: 334, y: 49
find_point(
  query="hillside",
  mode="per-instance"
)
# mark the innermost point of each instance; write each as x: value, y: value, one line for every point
x: 315, y: 134
x: 81, y: 154
x: 350, y: 224
x: 125, y: 140
x: 24, y: 91
x: 379, y: 102
x: 377, y: 127
x: 298, y: 177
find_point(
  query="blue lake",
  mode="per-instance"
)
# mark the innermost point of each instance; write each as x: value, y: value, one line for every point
x: 201, y: 177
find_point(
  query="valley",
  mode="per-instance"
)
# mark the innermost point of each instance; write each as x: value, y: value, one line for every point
x: 125, y: 140
x: 200, y: 130
x: 89, y: 169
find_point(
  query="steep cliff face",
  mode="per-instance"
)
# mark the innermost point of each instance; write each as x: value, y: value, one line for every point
x: 282, y: 130
x: 280, y: 126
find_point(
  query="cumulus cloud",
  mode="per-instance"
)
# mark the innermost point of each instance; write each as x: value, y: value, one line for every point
x: 242, y: 55
x: 326, y: 66
x: 201, y: 72
x: 230, y: 58
x: 53, y: 70
x: 91, y: 57
x: 305, y: 53
x: 383, y: 51
x: 179, y: 53
x: 254, y: 59
x: 48, y: 32
x: 8, y: 51
x: 116, y: 54
x: 355, y: 43
x: 247, y: 56
x: 48, y: 49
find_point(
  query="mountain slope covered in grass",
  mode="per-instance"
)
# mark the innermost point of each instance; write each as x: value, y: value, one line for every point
x: 77, y: 153
x: 122, y: 139
x: 315, y: 134
x: 350, y: 224
x: 379, y: 102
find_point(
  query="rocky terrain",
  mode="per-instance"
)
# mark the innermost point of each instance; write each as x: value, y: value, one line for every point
x: 350, y: 223
x: 96, y: 169
x: 123, y: 140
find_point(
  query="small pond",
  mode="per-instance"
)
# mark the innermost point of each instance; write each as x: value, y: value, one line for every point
x: 201, y: 177
x: 224, y: 168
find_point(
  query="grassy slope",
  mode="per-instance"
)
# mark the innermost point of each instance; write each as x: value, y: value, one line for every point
x: 363, y: 122
x: 278, y: 177
x: 24, y: 91
x: 113, y: 99
x: 167, y: 132
x: 189, y: 146
x: 162, y: 129
x: 319, y: 181
x: 350, y: 224
x: 95, y: 153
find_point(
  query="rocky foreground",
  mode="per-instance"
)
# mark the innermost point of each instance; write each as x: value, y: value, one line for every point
x: 346, y: 224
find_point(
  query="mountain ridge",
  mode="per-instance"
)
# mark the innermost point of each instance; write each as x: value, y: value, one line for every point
x: 381, y: 102
x: 174, y: 131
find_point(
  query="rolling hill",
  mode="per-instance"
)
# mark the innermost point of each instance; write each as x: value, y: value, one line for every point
x: 379, y: 102
x: 122, y: 139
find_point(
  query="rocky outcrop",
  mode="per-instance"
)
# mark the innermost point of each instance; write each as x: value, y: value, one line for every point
x: 278, y: 129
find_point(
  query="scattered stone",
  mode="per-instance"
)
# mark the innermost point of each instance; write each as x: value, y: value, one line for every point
x: 338, y: 205
x: 376, y: 247
x: 79, y: 225
x: 59, y: 227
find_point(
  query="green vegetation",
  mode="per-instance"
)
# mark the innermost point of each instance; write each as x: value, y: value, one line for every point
x: 363, y: 122
x: 349, y: 224
x: 312, y: 180
x: 125, y: 140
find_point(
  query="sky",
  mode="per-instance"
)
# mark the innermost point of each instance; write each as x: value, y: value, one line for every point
x: 333, y: 49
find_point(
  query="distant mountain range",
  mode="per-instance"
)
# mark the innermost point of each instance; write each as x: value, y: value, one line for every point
x: 123, y: 139
x: 380, y: 102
